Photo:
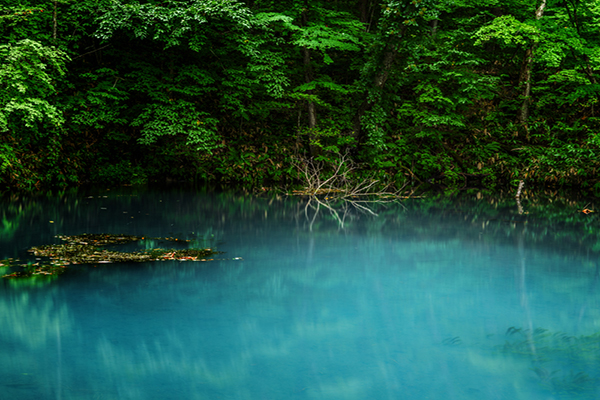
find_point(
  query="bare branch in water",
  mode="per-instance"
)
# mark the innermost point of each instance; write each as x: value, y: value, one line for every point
x: 337, y: 188
x: 339, y: 179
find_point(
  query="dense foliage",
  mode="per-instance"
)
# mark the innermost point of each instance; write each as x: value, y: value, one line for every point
x: 460, y: 93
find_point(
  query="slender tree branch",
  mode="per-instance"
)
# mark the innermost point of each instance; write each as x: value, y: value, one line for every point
x: 90, y: 52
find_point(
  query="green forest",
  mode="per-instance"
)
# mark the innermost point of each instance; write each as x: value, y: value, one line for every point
x: 269, y: 94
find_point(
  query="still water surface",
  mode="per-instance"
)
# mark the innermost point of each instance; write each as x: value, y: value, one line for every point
x: 456, y: 301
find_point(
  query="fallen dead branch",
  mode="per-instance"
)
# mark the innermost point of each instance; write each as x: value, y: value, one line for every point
x: 339, y: 190
x: 340, y: 179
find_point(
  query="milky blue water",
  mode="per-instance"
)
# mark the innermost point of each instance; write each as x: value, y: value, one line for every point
x: 454, y: 301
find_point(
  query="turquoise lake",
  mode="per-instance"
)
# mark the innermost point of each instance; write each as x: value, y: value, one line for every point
x: 466, y: 298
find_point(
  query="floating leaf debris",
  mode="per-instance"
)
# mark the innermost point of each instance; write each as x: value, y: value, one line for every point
x: 86, y: 249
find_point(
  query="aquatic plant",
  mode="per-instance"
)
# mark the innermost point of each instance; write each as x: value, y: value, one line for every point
x: 564, y: 364
x: 453, y: 341
x: 85, y: 249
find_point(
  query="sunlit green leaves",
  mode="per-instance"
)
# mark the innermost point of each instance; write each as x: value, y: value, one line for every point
x: 172, y: 22
x: 325, y: 82
x: 509, y: 31
x: 32, y: 111
x: 322, y: 37
x: 178, y: 118
x: 319, y: 29
x: 27, y: 73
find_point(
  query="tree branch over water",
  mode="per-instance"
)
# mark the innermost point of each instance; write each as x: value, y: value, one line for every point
x: 339, y: 188
x: 341, y: 179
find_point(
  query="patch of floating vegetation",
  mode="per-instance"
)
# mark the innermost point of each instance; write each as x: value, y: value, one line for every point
x: 86, y: 249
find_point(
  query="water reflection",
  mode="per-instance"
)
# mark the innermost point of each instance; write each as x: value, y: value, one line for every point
x: 434, y: 301
x: 34, y: 322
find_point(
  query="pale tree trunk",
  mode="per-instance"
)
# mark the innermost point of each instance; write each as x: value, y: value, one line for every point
x: 525, y: 298
x: 525, y: 76
x: 54, y: 22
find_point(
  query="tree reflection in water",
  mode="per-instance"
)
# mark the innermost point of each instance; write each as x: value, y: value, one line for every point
x: 413, y: 302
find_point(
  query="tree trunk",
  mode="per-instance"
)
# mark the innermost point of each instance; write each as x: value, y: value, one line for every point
x: 525, y: 83
x: 366, y: 8
x: 525, y: 75
x: 54, y: 22
x: 363, y: 6
x: 308, y: 78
